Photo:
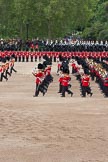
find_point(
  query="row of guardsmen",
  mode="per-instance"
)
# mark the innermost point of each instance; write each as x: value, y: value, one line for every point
x: 96, y: 71
x: 65, y: 78
x: 6, y: 68
x: 27, y: 56
x: 82, y: 75
x: 99, y: 73
x: 86, y: 69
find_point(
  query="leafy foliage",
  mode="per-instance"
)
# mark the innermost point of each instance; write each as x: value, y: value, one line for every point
x: 52, y: 18
x: 98, y: 28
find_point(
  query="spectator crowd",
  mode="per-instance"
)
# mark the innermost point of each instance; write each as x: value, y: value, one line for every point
x: 58, y: 45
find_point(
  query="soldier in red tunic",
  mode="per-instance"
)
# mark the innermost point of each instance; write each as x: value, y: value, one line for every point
x: 7, y: 68
x: 20, y: 53
x: 59, y: 64
x: 60, y: 82
x: 11, y: 64
x: 31, y: 56
x: 35, y: 56
x: 65, y: 83
x: 105, y: 84
x: 2, y: 72
x: 23, y: 56
x: 85, y: 85
x: 27, y: 56
x: 39, y: 78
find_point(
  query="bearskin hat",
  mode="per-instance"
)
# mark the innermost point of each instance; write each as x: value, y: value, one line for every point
x: 45, y: 63
x: 0, y: 59
x: 66, y: 71
x: 60, y: 57
x: 13, y: 55
x: 4, y: 60
x: 7, y: 58
x: 45, y: 57
x: 49, y: 63
x: 40, y: 66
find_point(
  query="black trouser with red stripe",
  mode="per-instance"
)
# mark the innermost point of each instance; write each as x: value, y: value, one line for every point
x: 65, y: 89
x: 105, y: 90
x: 7, y: 73
x: 60, y: 88
x: 3, y: 76
x: 12, y: 69
x: 27, y: 58
x: 92, y: 75
x: 40, y: 88
x: 37, y: 89
x: 86, y: 89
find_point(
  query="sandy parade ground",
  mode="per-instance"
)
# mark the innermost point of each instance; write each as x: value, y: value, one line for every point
x: 51, y: 128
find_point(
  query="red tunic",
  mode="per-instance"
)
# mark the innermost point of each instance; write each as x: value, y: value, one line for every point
x: 85, y: 81
x: 48, y: 71
x: 39, y: 77
x: 65, y: 81
x: 59, y: 65
x: 106, y: 82
x: 1, y: 69
x: 60, y: 79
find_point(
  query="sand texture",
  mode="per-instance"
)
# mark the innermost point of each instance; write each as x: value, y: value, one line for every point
x: 51, y: 128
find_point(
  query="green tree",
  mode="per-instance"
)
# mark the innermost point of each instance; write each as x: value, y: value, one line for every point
x: 48, y: 18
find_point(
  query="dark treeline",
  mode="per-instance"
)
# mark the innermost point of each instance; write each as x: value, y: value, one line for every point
x: 53, y: 18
